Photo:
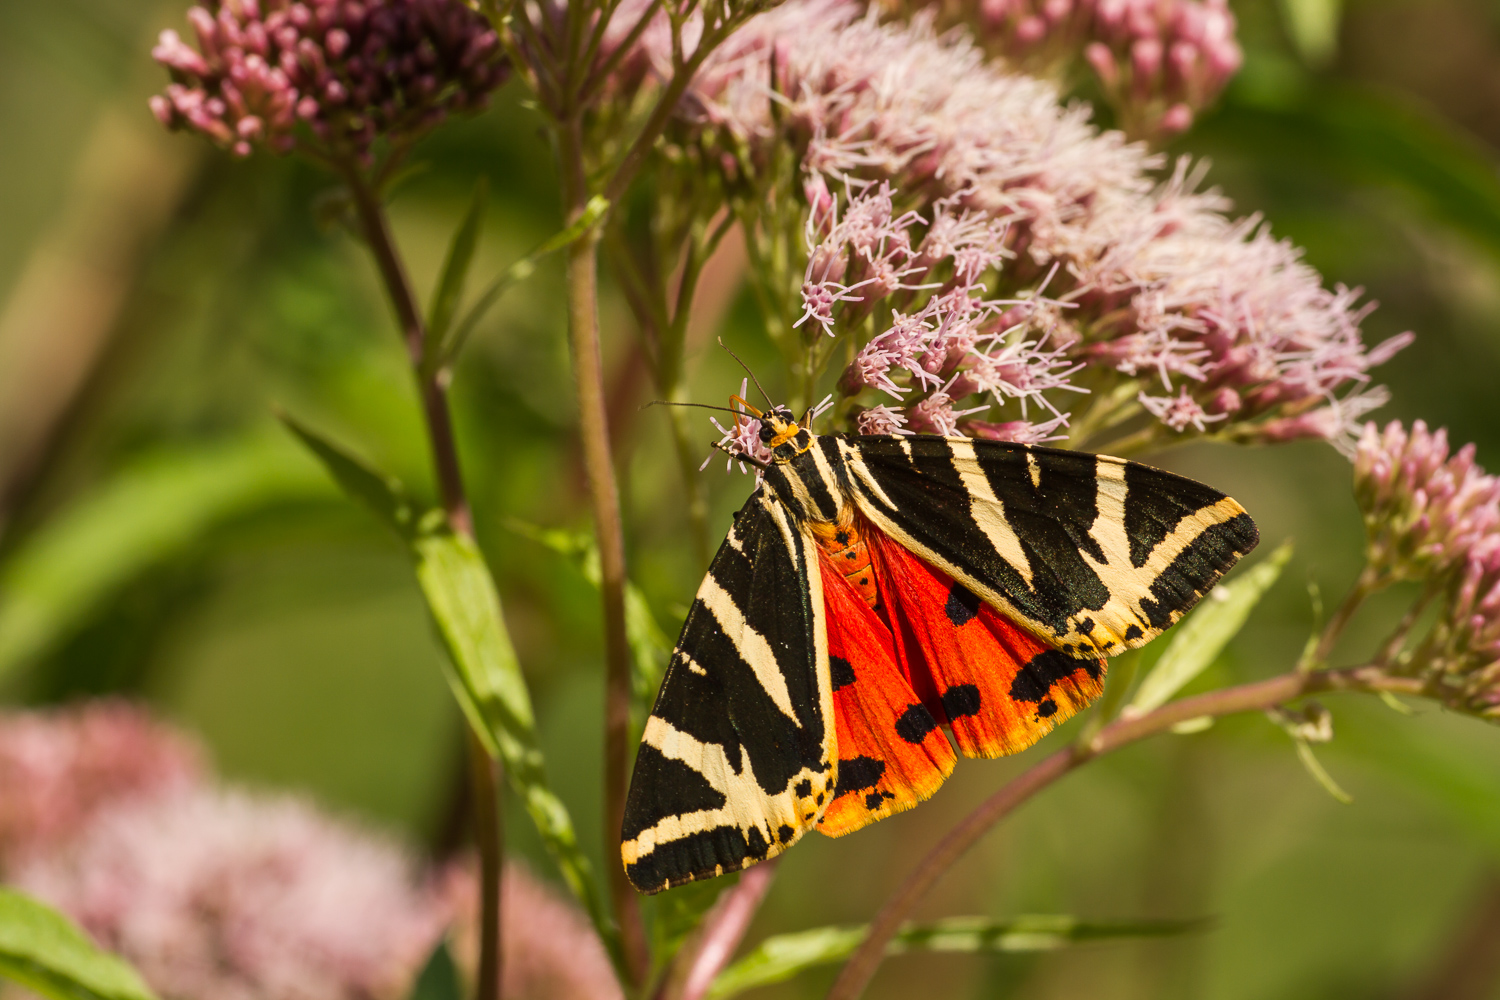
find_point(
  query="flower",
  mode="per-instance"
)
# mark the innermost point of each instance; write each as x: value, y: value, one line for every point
x: 60, y: 768
x: 352, y: 72
x: 1158, y: 62
x: 1205, y: 324
x: 1463, y: 665
x: 241, y: 897
x: 1426, y: 512
x: 550, y: 950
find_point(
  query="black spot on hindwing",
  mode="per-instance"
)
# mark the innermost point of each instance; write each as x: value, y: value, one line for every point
x: 842, y: 672
x: 961, y: 700
x: 962, y: 606
x: 915, y: 723
x: 858, y: 773
x: 1035, y: 679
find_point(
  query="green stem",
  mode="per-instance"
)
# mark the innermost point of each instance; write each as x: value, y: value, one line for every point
x: 604, y: 497
x: 484, y: 769
x: 860, y: 968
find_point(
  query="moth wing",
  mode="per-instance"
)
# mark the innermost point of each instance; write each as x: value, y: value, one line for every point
x: 996, y: 686
x: 1092, y: 554
x: 738, y: 755
x: 892, y: 754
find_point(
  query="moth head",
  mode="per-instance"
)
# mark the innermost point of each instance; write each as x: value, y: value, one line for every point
x: 779, y: 431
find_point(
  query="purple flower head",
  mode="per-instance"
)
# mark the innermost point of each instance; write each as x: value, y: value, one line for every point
x: 975, y: 205
x: 1158, y: 62
x: 237, y: 897
x: 1425, y: 512
x: 330, y: 75
x: 58, y: 769
x: 1463, y: 665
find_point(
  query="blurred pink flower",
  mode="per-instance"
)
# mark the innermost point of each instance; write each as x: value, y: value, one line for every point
x: 550, y: 950
x: 351, y: 72
x: 230, y: 896
x: 60, y: 768
x: 1158, y: 62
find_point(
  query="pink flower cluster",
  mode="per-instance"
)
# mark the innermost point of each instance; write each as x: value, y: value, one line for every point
x: 1159, y: 62
x: 1471, y: 660
x: 217, y: 894
x: 1425, y: 511
x: 59, y: 769
x: 350, y: 71
x: 1217, y: 325
x: 1434, y: 516
x: 943, y: 340
x: 238, y: 897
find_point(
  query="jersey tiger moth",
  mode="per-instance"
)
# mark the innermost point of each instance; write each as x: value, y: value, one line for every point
x: 875, y: 589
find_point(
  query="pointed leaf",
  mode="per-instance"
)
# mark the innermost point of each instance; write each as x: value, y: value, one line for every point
x: 481, y: 664
x: 520, y: 271
x: 1199, y: 640
x: 45, y: 952
x: 649, y: 647
x: 385, y: 495
x: 781, y: 957
x: 439, y: 978
x: 151, y: 511
x: 450, y: 287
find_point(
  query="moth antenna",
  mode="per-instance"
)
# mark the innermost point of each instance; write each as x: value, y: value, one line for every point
x: 741, y: 458
x: 742, y: 364
x: 701, y: 406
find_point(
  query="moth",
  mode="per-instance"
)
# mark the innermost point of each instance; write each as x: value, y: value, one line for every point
x: 875, y: 590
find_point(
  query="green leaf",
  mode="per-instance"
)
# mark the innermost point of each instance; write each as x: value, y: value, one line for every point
x: 520, y: 271
x: 45, y: 952
x: 384, y: 495
x: 481, y: 666
x: 152, y: 510
x: 450, y: 286
x: 783, y: 956
x: 1197, y: 641
x: 1313, y: 26
x: 439, y: 978
x: 649, y: 647
x: 1362, y: 137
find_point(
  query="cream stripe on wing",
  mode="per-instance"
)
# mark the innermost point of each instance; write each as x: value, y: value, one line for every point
x: 753, y: 647
x: 989, y: 513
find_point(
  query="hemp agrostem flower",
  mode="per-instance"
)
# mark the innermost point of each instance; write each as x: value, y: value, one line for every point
x: 1157, y: 62
x: 1426, y: 512
x: 60, y: 768
x: 349, y: 72
x: 239, y: 897
x: 1187, y: 321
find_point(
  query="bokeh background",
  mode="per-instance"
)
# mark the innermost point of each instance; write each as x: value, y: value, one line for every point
x: 157, y: 302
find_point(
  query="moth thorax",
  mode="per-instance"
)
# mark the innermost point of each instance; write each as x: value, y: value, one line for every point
x: 843, y: 545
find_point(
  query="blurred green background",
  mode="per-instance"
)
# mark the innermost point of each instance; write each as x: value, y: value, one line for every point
x: 160, y: 537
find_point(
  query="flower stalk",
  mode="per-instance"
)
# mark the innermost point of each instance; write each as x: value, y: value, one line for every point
x: 1258, y: 696
x: 484, y: 770
x: 604, y: 502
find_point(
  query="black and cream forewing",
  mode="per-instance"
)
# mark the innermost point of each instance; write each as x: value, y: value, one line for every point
x: 1095, y: 554
x: 738, y: 758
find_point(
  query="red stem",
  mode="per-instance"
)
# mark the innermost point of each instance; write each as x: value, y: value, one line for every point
x: 860, y: 968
